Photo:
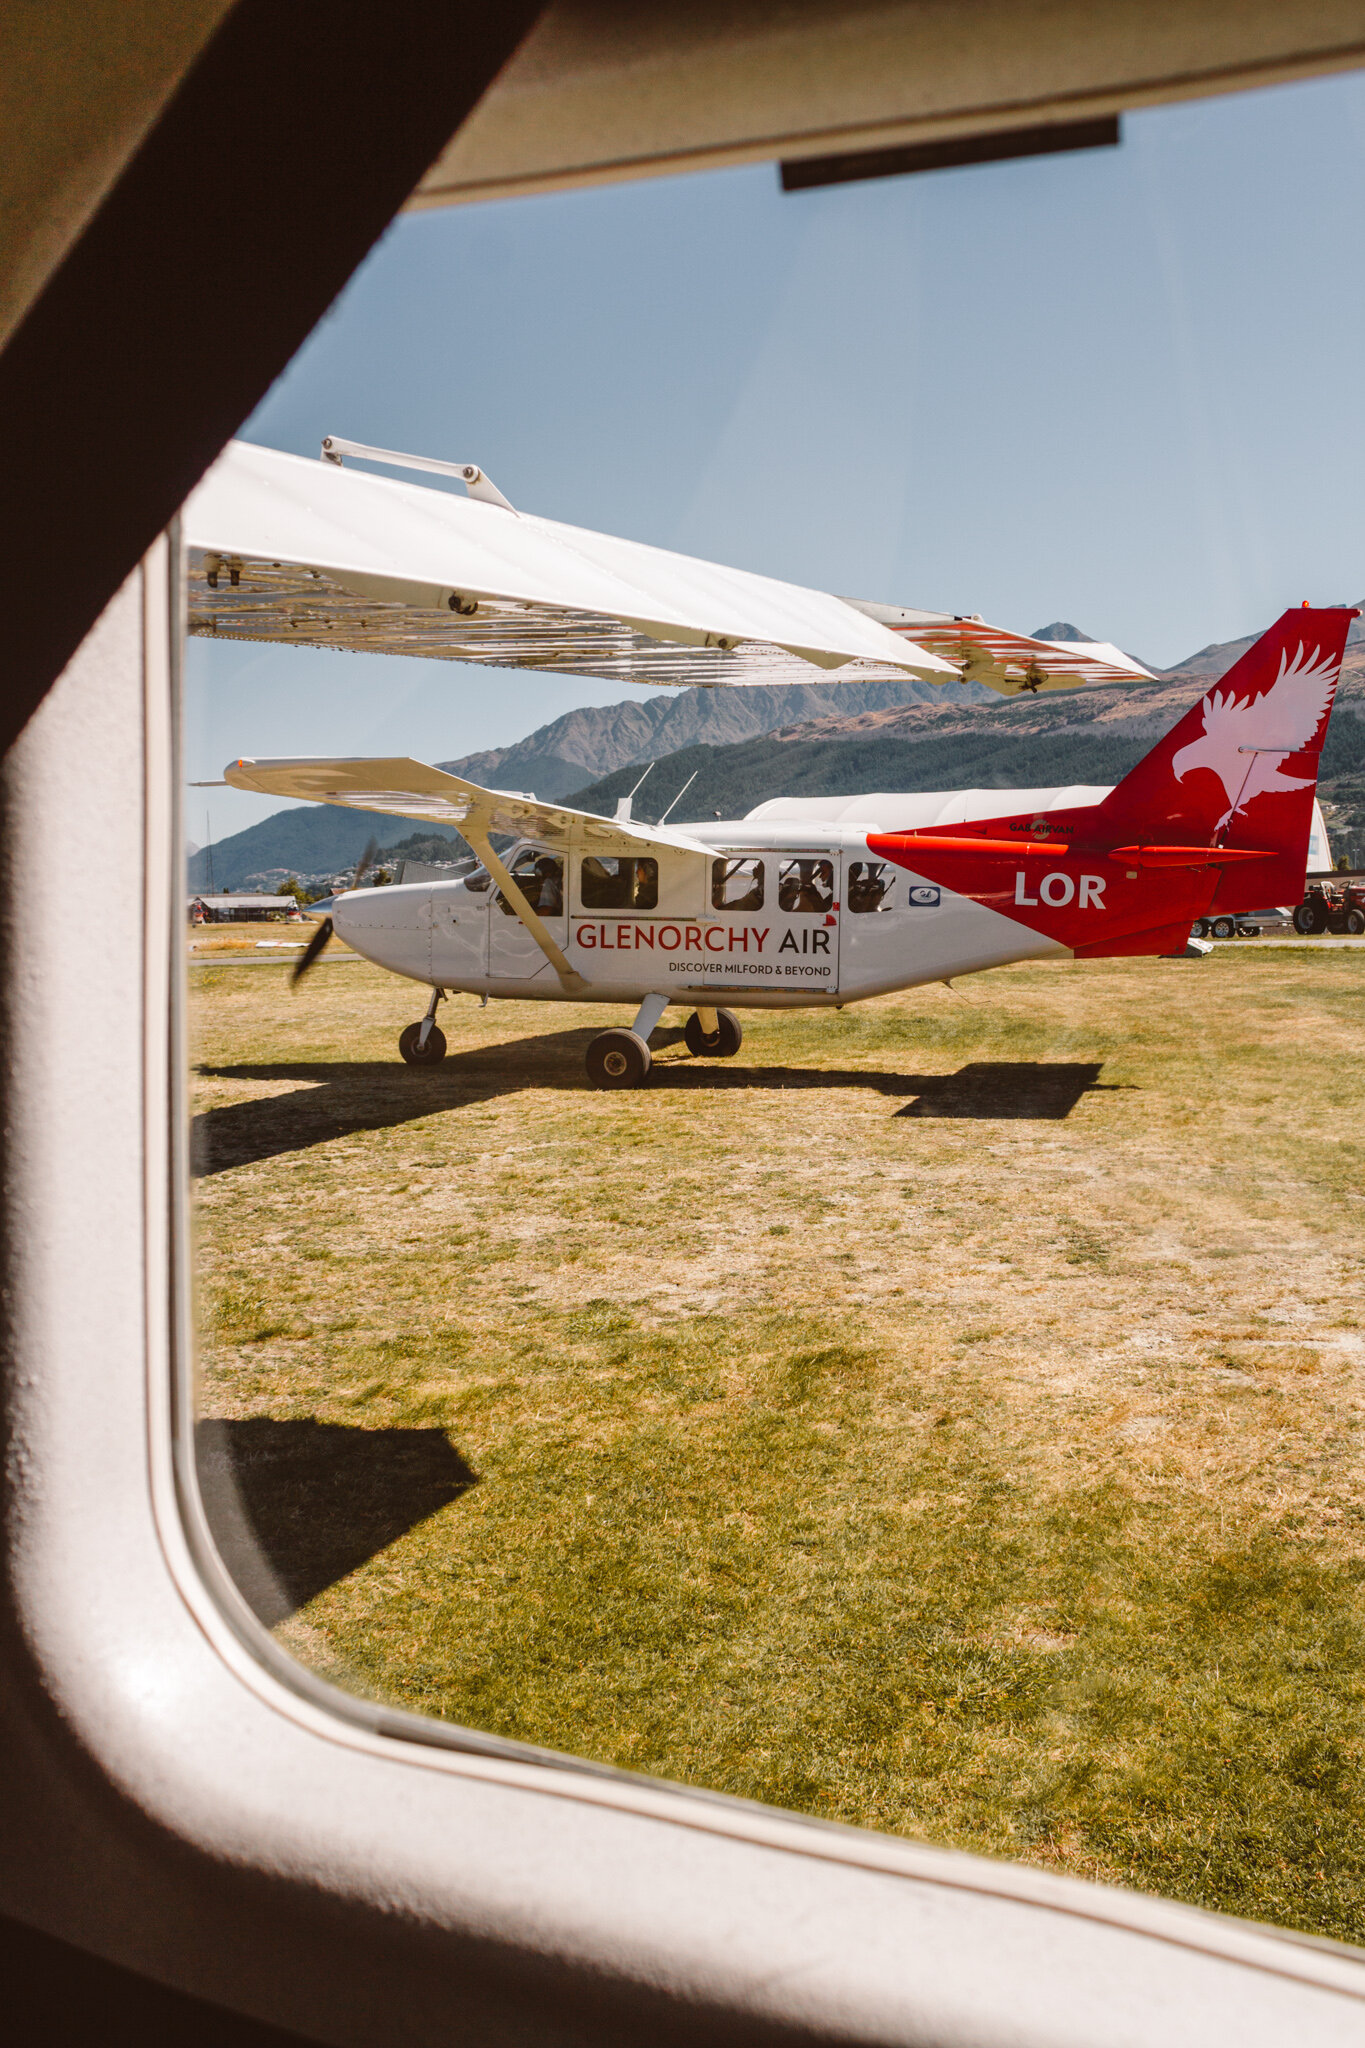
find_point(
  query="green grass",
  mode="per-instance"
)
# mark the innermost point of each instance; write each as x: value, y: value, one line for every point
x: 942, y: 1418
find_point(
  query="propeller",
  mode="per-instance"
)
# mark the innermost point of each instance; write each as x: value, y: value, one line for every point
x: 317, y: 945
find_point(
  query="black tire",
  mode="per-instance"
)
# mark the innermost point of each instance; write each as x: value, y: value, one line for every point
x: 418, y: 1055
x: 1223, y: 928
x: 1336, y: 924
x: 1355, y: 922
x: 1201, y: 929
x: 1309, y: 919
x: 618, y: 1059
x: 724, y: 1042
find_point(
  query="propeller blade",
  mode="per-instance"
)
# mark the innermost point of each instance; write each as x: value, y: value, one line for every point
x: 312, y: 953
x: 365, y: 863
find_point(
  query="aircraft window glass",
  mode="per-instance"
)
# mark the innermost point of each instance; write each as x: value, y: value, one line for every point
x: 536, y: 1438
x: 869, y: 885
x: 540, y: 877
x: 805, y: 885
x: 736, y: 884
x: 619, y: 884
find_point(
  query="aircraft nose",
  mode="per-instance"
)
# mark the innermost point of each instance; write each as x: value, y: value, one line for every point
x: 397, y: 908
x: 390, y: 926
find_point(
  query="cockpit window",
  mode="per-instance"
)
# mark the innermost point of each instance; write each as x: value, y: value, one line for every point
x: 805, y: 885
x: 869, y: 885
x: 736, y: 884
x: 540, y: 877
x: 619, y: 884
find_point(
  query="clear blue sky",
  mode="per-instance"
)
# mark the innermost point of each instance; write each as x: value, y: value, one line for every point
x: 1121, y: 388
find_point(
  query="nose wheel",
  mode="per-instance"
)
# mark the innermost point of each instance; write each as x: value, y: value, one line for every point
x: 415, y: 1052
x: 424, y: 1044
x: 713, y: 1034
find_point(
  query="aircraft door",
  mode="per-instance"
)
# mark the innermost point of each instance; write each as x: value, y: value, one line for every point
x: 513, y: 953
x: 800, y: 914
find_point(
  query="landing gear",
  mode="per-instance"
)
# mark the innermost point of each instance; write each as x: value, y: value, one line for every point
x: 618, y: 1059
x: 713, y: 1034
x: 424, y: 1044
x: 621, y: 1059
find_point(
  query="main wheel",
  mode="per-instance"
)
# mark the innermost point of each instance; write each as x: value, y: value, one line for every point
x: 1355, y: 922
x: 1309, y: 919
x: 618, y: 1059
x: 723, y: 1043
x: 1223, y: 928
x: 418, y: 1055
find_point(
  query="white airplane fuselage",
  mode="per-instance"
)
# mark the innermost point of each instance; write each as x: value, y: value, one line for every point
x: 793, y: 909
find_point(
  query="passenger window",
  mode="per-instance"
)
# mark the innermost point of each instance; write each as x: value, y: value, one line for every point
x: 737, y: 885
x: 624, y: 884
x: 869, y: 885
x: 805, y: 885
x: 540, y: 877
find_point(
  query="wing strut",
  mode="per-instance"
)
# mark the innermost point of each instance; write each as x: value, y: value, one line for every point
x: 570, y: 980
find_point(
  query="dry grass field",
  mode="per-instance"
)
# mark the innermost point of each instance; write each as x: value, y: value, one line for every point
x: 945, y: 1417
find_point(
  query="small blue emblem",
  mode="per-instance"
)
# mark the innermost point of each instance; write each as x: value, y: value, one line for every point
x: 923, y: 896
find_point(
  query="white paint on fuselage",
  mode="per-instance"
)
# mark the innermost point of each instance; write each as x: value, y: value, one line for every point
x: 448, y: 936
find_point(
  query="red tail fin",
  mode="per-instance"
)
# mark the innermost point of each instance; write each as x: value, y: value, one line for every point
x: 1241, y: 767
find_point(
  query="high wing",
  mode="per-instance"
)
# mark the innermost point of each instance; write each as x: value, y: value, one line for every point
x: 1005, y: 661
x: 312, y: 554
x: 410, y: 789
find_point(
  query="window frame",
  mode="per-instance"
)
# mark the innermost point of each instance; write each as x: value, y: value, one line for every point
x: 349, y: 1848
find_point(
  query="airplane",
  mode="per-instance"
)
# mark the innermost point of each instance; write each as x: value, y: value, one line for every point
x: 817, y: 902
x: 806, y: 902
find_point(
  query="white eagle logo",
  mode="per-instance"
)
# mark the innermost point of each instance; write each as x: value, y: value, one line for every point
x: 1280, y: 721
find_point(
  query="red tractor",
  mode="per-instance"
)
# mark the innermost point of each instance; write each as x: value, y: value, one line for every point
x: 1333, y: 905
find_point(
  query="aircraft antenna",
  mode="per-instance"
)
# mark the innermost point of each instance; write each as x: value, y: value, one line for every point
x: 683, y: 791
x: 623, y: 803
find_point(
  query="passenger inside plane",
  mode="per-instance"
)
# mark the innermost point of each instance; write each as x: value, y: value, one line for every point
x: 869, y: 885
x: 805, y: 885
x: 736, y: 885
x: 608, y: 883
x: 540, y: 877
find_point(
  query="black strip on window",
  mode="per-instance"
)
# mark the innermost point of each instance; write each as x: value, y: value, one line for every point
x: 804, y: 174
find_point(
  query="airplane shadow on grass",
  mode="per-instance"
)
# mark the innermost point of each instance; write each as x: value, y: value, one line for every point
x: 374, y: 1095
x: 295, y: 1506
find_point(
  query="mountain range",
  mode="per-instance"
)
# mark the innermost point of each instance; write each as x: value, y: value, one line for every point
x: 600, y: 738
